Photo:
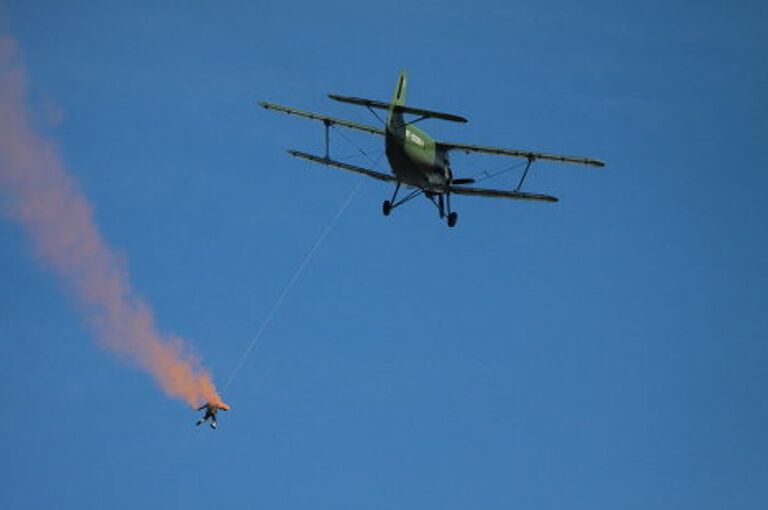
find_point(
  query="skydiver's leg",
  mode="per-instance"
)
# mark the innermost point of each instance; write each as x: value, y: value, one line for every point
x: 203, y: 419
x: 213, y: 422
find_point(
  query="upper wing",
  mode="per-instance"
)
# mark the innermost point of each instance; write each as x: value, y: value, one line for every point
x: 498, y: 193
x: 371, y: 103
x: 519, y: 154
x: 344, y: 166
x: 323, y: 118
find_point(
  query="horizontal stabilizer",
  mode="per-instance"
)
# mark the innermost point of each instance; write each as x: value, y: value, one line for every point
x: 371, y: 103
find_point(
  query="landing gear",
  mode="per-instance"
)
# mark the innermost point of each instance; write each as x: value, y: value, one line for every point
x: 389, y: 205
x: 453, y: 217
x: 441, y: 200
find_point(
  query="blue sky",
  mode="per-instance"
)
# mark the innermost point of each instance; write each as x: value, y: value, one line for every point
x: 608, y: 351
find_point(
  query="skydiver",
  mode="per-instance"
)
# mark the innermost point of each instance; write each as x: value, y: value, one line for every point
x: 210, y: 412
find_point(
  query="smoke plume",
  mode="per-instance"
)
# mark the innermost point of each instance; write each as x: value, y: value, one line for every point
x: 37, y: 192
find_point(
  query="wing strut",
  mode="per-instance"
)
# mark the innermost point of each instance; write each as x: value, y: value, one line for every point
x: 327, y: 124
x: 527, y: 166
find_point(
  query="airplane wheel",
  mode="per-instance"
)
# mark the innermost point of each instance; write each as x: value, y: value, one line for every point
x: 386, y: 207
x: 452, y: 219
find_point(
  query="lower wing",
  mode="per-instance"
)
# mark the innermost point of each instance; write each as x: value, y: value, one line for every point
x: 458, y: 190
x: 498, y: 193
x: 344, y: 166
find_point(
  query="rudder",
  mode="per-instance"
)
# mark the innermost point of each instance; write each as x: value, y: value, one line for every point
x: 398, y: 99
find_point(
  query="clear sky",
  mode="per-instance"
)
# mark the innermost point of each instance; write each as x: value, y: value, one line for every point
x: 609, y: 351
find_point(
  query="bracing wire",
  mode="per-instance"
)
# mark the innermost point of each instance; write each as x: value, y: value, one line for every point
x: 353, y: 144
x: 484, y: 175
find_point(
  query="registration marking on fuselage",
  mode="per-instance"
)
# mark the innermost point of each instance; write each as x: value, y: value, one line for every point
x: 410, y: 135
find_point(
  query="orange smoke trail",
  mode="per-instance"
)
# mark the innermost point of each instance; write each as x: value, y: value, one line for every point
x: 37, y: 192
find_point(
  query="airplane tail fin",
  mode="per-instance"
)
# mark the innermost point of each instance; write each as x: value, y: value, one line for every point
x: 398, y: 99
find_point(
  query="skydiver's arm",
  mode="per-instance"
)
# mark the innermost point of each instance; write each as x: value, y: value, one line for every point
x: 201, y: 407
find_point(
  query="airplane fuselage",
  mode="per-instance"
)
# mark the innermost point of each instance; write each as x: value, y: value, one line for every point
x: 415, y: 158
x: 413, y: 155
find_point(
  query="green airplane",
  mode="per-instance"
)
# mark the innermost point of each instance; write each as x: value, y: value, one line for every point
x: 417, y: 160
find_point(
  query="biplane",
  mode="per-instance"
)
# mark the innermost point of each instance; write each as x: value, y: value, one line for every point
x: 419, y: 162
